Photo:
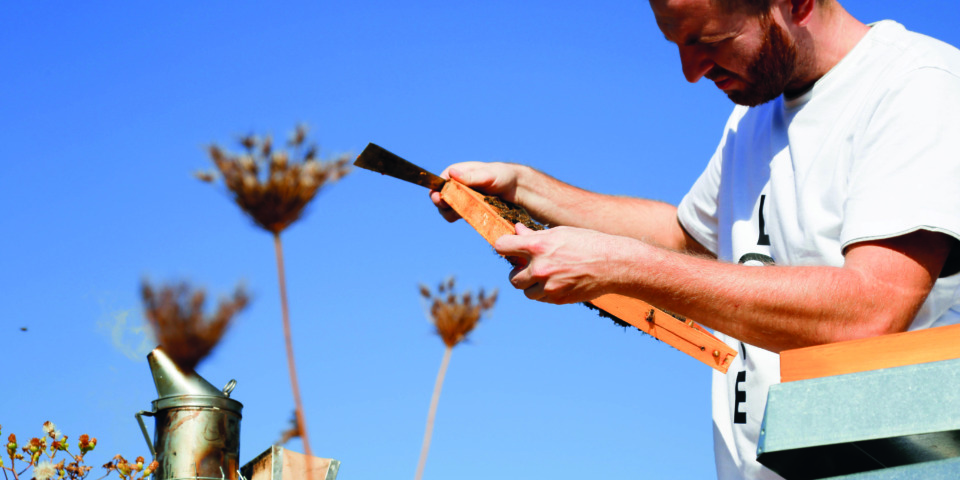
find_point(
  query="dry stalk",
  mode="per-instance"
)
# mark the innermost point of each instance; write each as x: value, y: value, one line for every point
x: 273, y: 187
x: 175, y: 313
x: 454, y: 318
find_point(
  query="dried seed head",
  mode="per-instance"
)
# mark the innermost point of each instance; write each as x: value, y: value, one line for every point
x: 266, y: 148
x: 279, y: 160
x: 208, y: 177
x: 175, y: 312
x: 454, y: 317
x: 247, y: 164
x: 250, y: 183
x: 44, y: 471
x: 424, y: 291
x: 249, y: 142
x: 299, y: 135
x: 277, y: 198
x: 291, y: 432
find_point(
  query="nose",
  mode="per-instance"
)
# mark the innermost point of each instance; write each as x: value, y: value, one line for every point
x: 695, y: 62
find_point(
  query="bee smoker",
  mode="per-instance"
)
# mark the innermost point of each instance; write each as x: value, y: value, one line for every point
x: 197, y: 426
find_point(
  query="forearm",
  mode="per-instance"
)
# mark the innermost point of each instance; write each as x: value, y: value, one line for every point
x: 774, y: 308
x: 557, y: 203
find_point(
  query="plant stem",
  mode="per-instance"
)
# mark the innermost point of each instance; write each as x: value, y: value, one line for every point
x: 433, y: 412
x: 288, y: 338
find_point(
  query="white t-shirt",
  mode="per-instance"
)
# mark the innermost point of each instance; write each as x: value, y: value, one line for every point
x: 871, y: 151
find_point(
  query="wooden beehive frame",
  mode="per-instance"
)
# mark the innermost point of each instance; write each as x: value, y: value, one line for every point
x: 688, y: 337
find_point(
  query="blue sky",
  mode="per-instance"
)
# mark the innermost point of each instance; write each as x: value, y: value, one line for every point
x: 106, y: 111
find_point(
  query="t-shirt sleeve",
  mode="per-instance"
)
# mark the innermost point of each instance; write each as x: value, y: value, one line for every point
x: 698, y: 210
x: 906, y: 169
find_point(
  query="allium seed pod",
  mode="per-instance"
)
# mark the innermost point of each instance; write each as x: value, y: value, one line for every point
x: 455, y: 316
x: 292, y: 181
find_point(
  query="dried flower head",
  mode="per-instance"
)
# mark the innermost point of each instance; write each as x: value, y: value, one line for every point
x: 176, y: 314
x: 274, y: 186
x: 290, y: 433
x: 50, y: 429
x: 455, y: 316
x: 44, y: 471
x: 86, y: 443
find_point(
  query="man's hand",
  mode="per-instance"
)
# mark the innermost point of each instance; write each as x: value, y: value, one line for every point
x: 498, y: 179
x: 564, y: 264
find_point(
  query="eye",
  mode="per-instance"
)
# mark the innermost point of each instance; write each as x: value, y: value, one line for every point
x: 713, y: 42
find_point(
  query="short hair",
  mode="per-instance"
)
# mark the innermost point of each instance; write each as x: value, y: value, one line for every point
x: 746, y: 6
x: 753, y: 7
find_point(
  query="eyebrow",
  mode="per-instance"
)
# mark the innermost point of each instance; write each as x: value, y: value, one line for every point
x: 694, y: 39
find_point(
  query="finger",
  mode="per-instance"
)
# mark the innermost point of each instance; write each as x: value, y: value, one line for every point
x: 520, y: 262
x: 448, y: 213
x: 513, y: 246
x: 535, y: 292
x: 523, y: 229
x: 520, y: 278
x: 438, y: 199
x: 478, y: 175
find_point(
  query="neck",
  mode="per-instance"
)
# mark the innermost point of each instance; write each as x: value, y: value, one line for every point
x: 828, y: 38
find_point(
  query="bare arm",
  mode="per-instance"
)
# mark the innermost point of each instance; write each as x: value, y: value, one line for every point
x: 878, y: 290
x: 557, y: 203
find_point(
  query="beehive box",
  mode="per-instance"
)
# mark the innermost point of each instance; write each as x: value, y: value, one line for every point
x: 278, y: 463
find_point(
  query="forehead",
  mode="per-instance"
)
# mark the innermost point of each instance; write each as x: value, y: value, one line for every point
x: 681, y: 20
x: 675, y: 8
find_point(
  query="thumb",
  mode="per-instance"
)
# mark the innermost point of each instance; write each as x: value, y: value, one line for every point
x: 523, y: 229
x: 473, y: 177
x: 460, y: 175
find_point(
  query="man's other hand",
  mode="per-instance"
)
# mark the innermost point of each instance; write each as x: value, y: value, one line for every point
x: 565, y: 264
x: 498, y: 179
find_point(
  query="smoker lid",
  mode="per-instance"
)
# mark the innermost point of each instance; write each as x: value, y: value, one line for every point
x: 176, y: 387
x: 197, y: 401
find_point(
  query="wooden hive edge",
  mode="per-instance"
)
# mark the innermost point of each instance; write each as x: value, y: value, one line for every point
x: 688, y: 337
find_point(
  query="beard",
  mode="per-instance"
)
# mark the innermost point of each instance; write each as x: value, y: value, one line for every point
x: 771, y: 71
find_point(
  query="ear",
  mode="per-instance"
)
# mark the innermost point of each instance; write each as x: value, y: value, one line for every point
x: 801, y: 11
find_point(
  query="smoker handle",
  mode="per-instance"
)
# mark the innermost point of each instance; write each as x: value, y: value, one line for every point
x: 143, y: 428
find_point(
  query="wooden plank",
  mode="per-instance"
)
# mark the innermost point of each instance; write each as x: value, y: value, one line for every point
x: 482, y: 216
x: 885, y: 351
x: 688, y: 337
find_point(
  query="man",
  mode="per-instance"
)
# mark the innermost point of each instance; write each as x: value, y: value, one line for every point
x: 838, y: 173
